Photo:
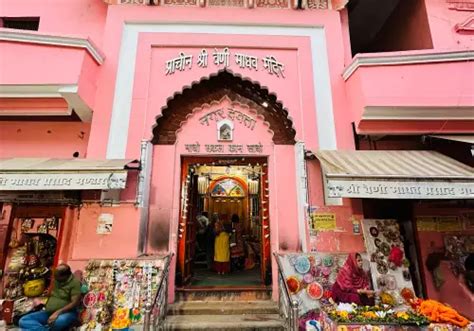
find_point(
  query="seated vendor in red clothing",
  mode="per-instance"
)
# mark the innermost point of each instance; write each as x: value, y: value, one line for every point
x: 352, y: 283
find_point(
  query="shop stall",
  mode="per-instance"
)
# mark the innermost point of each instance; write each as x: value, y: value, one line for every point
x: 310, y: 278
x: 117, y: 292
x: 31, y: 253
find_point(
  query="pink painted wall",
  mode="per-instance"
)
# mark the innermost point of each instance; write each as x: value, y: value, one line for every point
x: 442, y: 21
x: 43, y: 139
x: 22, y: 63
x: 122, y: 242
x: 151, y: 87
x: 414, y: 85
x: 451, y: 292
x: 77, y: 17
x: 343, y: 238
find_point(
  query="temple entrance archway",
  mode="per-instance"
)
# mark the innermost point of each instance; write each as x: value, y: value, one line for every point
x: 227, y: 131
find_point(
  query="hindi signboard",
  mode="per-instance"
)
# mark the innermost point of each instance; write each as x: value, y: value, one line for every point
x: 397, y: 189
x: 222, y: 58
x: 62, y: 181
x: 323, y: 221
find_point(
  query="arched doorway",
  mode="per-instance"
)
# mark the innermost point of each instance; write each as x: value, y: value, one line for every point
x: 223, y: 130
x: 214, y: 88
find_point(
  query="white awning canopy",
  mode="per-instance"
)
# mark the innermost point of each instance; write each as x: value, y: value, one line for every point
x: 395, y: 175
x: 34, y: 174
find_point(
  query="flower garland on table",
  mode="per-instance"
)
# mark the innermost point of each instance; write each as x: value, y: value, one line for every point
x: 438, y: 313
x: 374, y: 315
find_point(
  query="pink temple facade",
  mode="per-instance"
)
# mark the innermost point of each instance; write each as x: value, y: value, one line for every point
x: 155, y: 81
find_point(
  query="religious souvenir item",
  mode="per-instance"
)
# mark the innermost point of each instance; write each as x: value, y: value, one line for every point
x: 387, y: 299
x: 407, y: 294
x: 292, y: 260
x: 315, y: 291
x: 43, y: 228
x: 27, y: 224
x: 52, y: 223
x: 318, y: 260
x: 406, y: 275
x: 302, y: 265
x: 381, y: 282
x: 328, y: 261
x: 385, y: 249
x: 374, y: 231
x: 373, y: 257
x: 377, y: 242
x: 326, y: 271
x: 396, y: 256
x: 379, y: 225
x: 315, y: 271
x: 382, y: 267
x: 308, y: 278
x: 293, y: 284
x: 391, y: 282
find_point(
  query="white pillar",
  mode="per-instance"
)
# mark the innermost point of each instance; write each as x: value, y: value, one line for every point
x: 301, y: 192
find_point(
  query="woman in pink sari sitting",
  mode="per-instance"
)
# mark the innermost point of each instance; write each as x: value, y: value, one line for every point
x: 352, y: 283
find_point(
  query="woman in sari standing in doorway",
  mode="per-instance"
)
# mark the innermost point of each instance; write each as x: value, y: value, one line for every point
x: 222, y: 250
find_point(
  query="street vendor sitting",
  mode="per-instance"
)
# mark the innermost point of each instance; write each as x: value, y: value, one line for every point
x: 60, y: 312
x: 352, y: 283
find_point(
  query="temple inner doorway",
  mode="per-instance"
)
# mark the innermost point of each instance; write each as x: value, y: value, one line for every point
x: 223, y: 244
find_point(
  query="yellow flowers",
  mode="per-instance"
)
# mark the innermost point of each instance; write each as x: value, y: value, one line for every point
x: 343, y: 314
x: 369, y: 314
x: 402, y: 315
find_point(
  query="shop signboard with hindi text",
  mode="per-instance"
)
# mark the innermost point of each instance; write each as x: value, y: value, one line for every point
x: 62, y: 181
x: 391, y: 189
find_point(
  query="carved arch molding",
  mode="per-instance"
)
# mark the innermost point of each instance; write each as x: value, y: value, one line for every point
x: 215, y: 88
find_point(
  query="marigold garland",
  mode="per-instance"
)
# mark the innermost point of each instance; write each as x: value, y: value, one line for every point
x: 437, y: 312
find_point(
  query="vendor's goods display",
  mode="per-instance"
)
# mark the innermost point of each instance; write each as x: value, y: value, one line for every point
x: 457, y: 249
x: 388, y: 264
x: 118, y: 291
x: 310, y: 277
x: 31, y: 255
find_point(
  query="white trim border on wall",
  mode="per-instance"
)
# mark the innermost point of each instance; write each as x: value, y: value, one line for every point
x: 43, y: 39
x: 385, y: 59
x: 122, y: 103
